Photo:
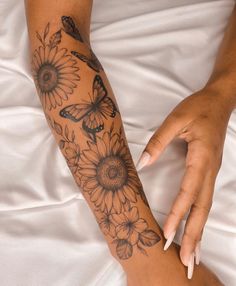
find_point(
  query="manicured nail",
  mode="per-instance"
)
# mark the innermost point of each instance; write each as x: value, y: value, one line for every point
x: 191, y: 266
x: 198, y: 253
x: 144, y: 159
x: 169, y: 240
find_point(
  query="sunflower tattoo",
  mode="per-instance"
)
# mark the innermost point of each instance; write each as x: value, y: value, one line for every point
x: 55, y: 72
x: 108, y: 173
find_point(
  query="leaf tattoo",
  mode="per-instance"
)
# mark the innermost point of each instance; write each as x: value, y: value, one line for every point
x: 149, y: 238
x: 124, y: 249
x: 55, y: 39
x: 46, y: 31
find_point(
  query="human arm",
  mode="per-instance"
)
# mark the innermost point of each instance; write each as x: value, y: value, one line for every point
x: 201, y: 121
x: 83, y: 114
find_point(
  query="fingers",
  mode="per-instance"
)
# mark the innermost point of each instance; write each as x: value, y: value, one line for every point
x: 195, y: 196
x: 190, y: 245
x: 191, y: 184
x: 196, y: 221
x: 159, y: 140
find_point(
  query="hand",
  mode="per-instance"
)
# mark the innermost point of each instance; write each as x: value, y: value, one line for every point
x: 201, y: 120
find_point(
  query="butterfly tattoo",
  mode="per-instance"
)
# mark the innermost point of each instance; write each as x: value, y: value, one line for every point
x: 70, y: 28
x: 92, y: 113
x: 92, y: 62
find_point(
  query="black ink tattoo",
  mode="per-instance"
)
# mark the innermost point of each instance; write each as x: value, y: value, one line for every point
x: 54, y: 71
x: 104, y: 170
x: 92, y: 113
x: 70, y: 28
x: 91, y: 61
x: 127, y: 230
x: 108, y: 176
x: 105, y: 173
x: 68, y: 145
x: 107, y: 170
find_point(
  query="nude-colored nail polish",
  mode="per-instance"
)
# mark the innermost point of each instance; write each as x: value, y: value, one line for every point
x: 198, y: 253
x: 169, y: 240
x: 143, y: 161
x: 191, y: 266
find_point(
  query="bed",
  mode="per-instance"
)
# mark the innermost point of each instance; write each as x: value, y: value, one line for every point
x: 155, y: 54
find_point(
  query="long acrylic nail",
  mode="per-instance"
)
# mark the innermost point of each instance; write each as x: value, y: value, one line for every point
x: 144, y: 159
x: 169, y: 240
x: 191, y: 266
x: 198, y: 253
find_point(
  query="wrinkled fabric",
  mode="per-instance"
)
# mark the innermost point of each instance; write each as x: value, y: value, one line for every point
x: 155, y: 54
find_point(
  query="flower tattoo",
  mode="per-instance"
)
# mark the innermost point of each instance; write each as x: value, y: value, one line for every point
x: 108, y: 174
x: 129, y: 225
x: 54, y: 71
x: 72, y: 154
x: 106, y: 223
x: 127, y: 230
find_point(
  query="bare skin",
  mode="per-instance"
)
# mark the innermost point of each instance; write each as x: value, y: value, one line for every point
x: 83, y: 115
x: 168, y: 270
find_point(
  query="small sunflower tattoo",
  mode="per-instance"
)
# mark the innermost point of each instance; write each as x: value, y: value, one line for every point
x: 54, y: 70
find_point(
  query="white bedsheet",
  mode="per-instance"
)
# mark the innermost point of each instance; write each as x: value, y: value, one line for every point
x: 155, y: 53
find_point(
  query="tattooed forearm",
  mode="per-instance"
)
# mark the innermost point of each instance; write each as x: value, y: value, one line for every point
x: 86, y: 122
x: 106, y: 174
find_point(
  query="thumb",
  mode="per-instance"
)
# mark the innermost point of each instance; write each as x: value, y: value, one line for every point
x: 158, y: 142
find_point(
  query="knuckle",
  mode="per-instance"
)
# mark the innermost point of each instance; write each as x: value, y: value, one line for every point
x: 187, y: 196
x: 191, y: 236
x: 204, y: 209
x: 176, y: 214
x: 211, y: 156
x: 155, y: 141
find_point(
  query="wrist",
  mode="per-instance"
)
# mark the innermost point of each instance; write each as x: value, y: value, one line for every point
x: 223, y: 85
x: 140, y: 261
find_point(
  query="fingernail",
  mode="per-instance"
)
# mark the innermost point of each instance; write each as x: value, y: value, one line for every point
x: 144, y: 159
x: 198, y: 253
x: 169, y: 240
x: 191, y: 266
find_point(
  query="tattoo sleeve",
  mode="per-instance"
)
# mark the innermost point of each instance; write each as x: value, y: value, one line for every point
x: 84, y: 117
